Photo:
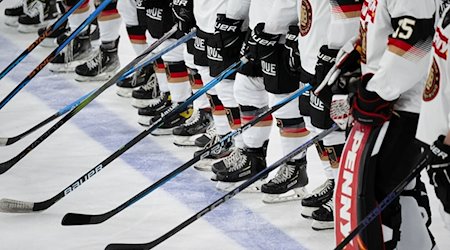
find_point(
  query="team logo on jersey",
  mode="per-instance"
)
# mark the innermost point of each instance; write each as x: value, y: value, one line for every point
x: 306, y: 17
x: 432, y: 85
x: 440, y: 44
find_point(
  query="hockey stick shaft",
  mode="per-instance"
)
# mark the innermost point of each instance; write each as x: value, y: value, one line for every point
x: 82, y: 219
x: 54, y: 53
x: 423, y: 163
x: 44, y: 35
x: 62, y: 111
x: 127, y: 70
x: 224, y: 198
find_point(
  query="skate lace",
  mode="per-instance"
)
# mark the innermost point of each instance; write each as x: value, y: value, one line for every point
x: 151, y: 85
x: 95, y: 62
x: 235, y: 160
x: 323, y: 189
x: 211, y: 132
x: 285, y: 172
x: 34, y: 8
x: 68, y: 55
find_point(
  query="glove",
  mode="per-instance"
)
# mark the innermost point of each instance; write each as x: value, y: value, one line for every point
x: 183, y: 15
x: 439, y: 171
x: 227, y: 32
x: 150, y: 4
x: 260, y: 44
x: 293, y: 56
x: 369, y: 108
x: 325, y: 61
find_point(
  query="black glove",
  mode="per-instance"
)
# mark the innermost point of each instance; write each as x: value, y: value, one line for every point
x: 150, y: 4
x: 261, y: 44
x: 439, y: 171
x: 369, y: 108
x: 227, y: 32
x: 183, y: 14
x: 325, y: 61
x: 293, y: 55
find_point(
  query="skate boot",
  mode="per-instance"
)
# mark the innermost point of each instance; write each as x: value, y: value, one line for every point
x: 143, y: 77
x: 76, y: 52
x: 207, y: 162
x: 50, y: 41
x: 38, y: 14
x: 146, y: 114
x: 13, y: 13
x: 194, y: 127
x: 323, y: 217
x: 206, y: 137
x: 102, y: 66
x: 174, y: 120
x: 288, y: 184
x: 147, y: 94
x: 239, y: 166
x: 319, y: 196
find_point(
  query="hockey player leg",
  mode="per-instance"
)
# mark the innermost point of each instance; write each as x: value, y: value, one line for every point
x: 106, y: 62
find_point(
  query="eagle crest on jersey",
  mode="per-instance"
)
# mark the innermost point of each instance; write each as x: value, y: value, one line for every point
x: 306, y: 17
x: 432, y: 85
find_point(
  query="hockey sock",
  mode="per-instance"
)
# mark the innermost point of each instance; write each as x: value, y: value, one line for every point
x: 137, y: 38
x: 178, y: 81
x: 334, y: 145
x: 234, y: 120
x: 219, y: 115
x: 323, y: 155
x: 160, y: 70
x: 109, y: 23
x: 197, y: 83
x: 255, y: 136
x: 79, y: 15
x: 293, y: 133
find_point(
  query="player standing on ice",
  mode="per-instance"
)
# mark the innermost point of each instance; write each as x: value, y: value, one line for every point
x: 380, y: 151
x: 434, y: 120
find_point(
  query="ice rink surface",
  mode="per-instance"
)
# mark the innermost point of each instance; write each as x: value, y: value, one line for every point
x: 244, y: 222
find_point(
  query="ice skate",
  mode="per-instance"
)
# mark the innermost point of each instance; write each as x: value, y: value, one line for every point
x: 206, y: 163
x: 148, y: 93
x: 288, y: 184
x: 319, y: 196
x: 13, y: 13
x: 193, y: 128
x: 146, y: 114
x: 323, y: 217
x: 50, y: 41
x: 206, y: 137
x: 38, y: 14
x: 172, y: 121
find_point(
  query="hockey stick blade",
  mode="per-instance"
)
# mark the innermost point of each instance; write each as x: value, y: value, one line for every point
x: 14, y: 206
x: 81, y: 219
x: 7, y: 165
x: 223, y: 199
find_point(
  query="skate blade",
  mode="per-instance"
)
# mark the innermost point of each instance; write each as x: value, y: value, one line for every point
x: 228, y: 186
x: 307, y: 212
x: 70, y: 66
x: 142, y: 103
x: 322, y: 225
x: 144, y: 120
x: 162, y: 131
x: 33, y: 28
x: 291, y: 195
x: 12, y: 21
x: 49, y: 43
x: 124, y: 92
x: 107, y: 74
x: 204, y: 165
x: 185, y: 141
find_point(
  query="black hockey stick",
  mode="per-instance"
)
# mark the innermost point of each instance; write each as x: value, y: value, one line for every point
x: 13, y: 206
x: 44, y: 35
x: 127, y: 70
x: 54, y: 53
x: 224, y: 198
x: 423, y: 163
x: 5, y: 141
x: 83, y: 219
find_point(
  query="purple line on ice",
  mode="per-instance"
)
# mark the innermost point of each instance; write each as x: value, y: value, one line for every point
x: 111, y: 131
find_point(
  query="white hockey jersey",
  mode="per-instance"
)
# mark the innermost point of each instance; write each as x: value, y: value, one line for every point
x: 396, y: 38
x: 344, y: 23
x: 435, y: 111
x: 205, y: 12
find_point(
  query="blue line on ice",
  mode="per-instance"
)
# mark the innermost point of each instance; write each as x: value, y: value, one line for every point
x: 231, y: 218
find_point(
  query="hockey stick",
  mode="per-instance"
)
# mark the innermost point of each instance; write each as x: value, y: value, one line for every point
x: 5, y: 141
x: 13, y: 206
x: 54, y: 53
x: 386, y: 201
x: 127, y: 70
x: 83, y: 219
x: 44, y: 35
x: 224, y: 198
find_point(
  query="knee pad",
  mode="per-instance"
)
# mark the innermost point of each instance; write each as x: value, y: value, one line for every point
x: 234, y: 117
x: 195, y: 78
x: 176, y: 72
x: 216, y: 105
x: 248, y: 113
x: 293, y: 127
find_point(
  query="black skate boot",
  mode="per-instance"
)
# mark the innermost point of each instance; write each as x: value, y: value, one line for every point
x: 144, y: 76
x: 323, y: 217
x: 206, y: 163
x: 288, y: 184
x: 147, y: 94
x: 239, y: 166
x: 76, y: 52
x: 319, y: 196
x: 38, y: 14
x: 206, y: 137
x: 13, y: 13
x: 174, y: 120
x: 194, y: 127
x: 102, y: 66
x: 50, y: 41
x: 146, y: 114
